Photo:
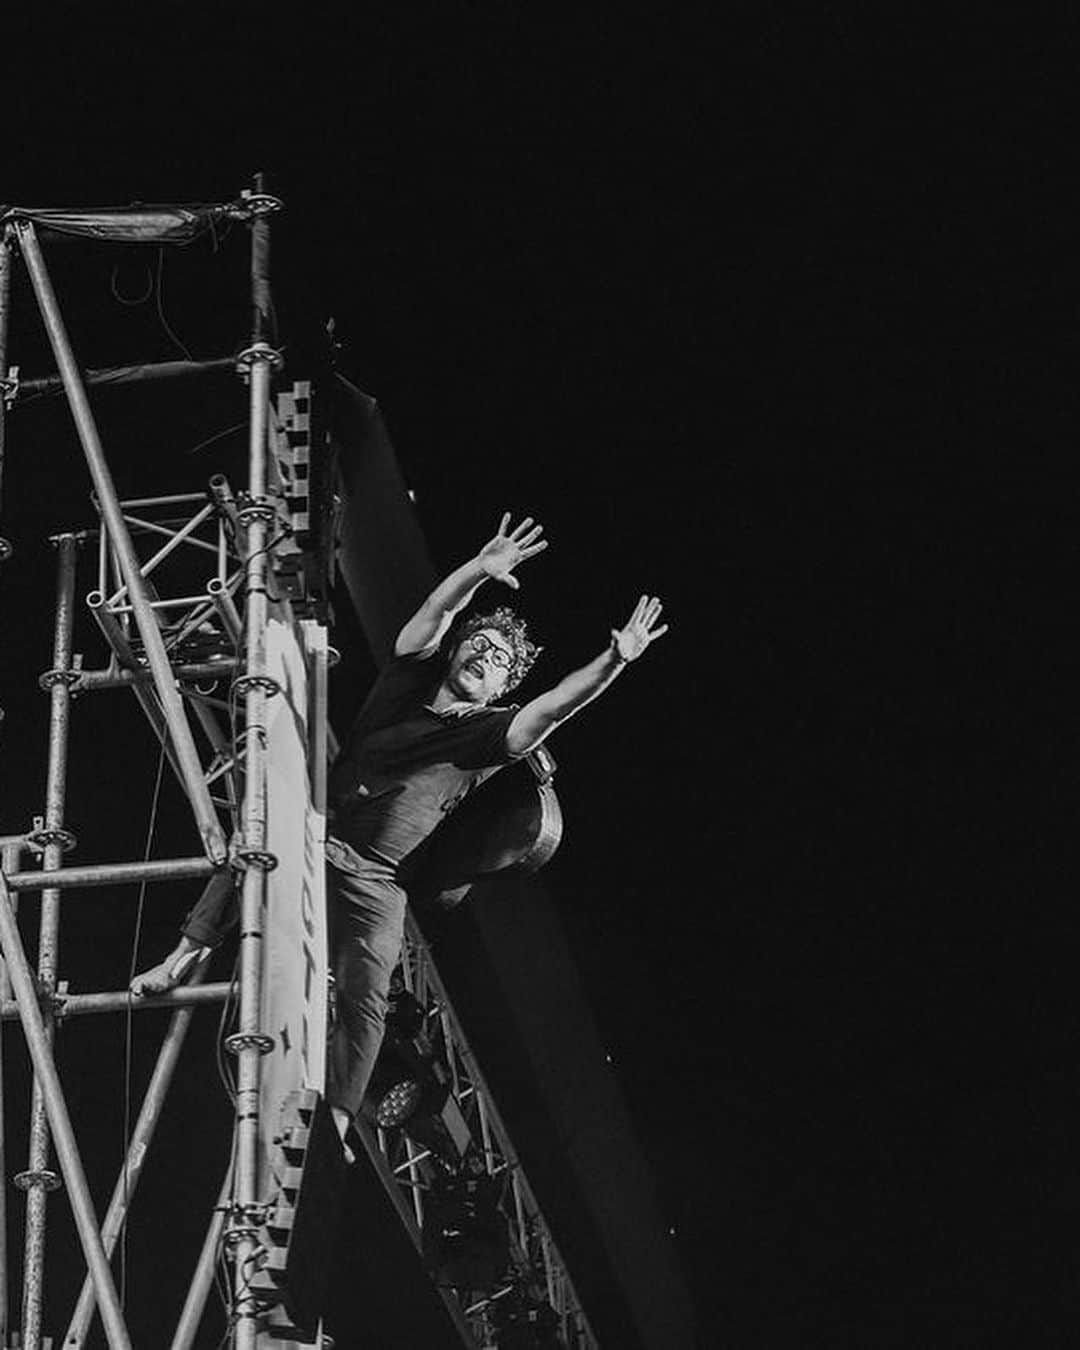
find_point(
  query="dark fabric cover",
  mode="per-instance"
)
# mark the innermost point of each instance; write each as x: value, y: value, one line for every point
x: 129, y: 224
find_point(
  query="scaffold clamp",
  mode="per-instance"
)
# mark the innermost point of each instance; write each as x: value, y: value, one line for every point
x: 9, y: 386
x: 258, y: 351
x: 40, y: 838
x: 47, y: 679
x: 249, y: 1040
x: 260, y: 203
x: 42, y: 1176
x: 266, y: 683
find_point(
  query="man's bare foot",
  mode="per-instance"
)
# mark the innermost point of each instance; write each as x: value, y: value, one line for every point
x: 342, y: 1121
x: 170, y: 972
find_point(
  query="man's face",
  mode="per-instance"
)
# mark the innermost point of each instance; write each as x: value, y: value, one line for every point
x: 480, y: 667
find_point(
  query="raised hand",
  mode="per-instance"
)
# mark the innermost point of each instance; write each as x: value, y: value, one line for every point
x: 629, y: 642
x: 502, y: 553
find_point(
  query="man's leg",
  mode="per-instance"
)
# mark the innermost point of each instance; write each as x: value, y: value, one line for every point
x: 203, y: 929
x: 368, y: 911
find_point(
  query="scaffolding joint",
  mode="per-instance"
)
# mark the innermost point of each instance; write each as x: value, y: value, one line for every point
x: 261, y: 858
x: 249, y: 1040
x: 35, y: 1177
x: 41, y: 837
x: 259, y: 203
x: 258, y: 353
x: 266, y: 683
x: 49, y: 678
x: 255, y: 511
x: 9, y: 386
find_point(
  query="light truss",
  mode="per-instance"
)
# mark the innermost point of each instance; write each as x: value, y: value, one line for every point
x: 410, y: 1171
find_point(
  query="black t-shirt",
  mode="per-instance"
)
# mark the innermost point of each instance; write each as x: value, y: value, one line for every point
x: 404, y: 767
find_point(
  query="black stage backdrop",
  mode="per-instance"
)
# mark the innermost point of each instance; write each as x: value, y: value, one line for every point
x: 771, y: 314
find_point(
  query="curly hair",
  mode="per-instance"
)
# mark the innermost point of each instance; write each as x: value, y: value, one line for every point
x: 502, y: 620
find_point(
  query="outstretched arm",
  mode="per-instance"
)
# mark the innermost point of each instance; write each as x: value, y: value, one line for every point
x: 496, y: 560
x: 533, y: 722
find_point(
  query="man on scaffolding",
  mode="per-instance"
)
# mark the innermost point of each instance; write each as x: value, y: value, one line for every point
x: 429, y: 732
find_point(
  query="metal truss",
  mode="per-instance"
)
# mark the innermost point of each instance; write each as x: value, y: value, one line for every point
x: 180, y: 596
x: 412, y: 1171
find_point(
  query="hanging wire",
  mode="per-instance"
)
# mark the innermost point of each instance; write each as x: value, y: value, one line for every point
x: 137, y: 300
x: 217, y: 436
x: 161, y: 307
x: 129, y: 1020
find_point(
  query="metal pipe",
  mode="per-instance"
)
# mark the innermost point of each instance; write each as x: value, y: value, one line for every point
x: 10, y: 855
x: 82, y: 1205
x: 123, y: 679
x: 250, y: 1042
x: 181, y: 535
x: 141, y: 1137
x: 37, y: 1175
x: 5, y: 311
x: 226, y: 504
x: 117, y: 639
x: 171, y: 602
x: 223, y: 603
x: 224, y: 758
x: 121, y: 1000
x: 113, y: 633
x: 202, y: 1281
x: 17, y: 842
x: 173, y: 499
x: 175, y: 537
x: 123, y: 375
x: 113, y: 874
x: 254, y: 852
x: 198, y: 794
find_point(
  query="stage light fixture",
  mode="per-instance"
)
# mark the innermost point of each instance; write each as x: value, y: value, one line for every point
x: 410, y: 1088
x: 466, y: 1237
x: 525, y: 1320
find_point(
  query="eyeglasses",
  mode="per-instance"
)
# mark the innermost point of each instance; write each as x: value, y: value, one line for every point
x: 499, y: 655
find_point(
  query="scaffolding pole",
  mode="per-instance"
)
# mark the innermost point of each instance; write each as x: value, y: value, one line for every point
x: 82, y: 1206
x: 249, y: 1043
x: 112, y: 874
x: 157, y: 658
x: 10, y: 856
x: 38, y: 1179
x: 141, y: 1137
x: 5, y: 311
x: 195, y: 1304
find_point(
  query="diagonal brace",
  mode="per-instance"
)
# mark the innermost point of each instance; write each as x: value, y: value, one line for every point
x: 67, y: 1151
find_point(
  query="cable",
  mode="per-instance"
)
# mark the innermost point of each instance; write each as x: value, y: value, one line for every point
x: 217, y: 436
x: 139, y: 299
x: 130, y: 1021
x: 161, y: 307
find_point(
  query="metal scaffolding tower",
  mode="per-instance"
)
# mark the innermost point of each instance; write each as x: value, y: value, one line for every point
x: 195, y: 598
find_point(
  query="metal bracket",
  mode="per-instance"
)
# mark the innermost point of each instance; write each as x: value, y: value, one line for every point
x: 41, y: 838
x: 44, y: 1177
x: 258, y: 351
x: 9, y: 386
x: 48, y: 678
x: 249, y: 1040
x: 263, y: 510
x: 266, y: 683
x: 257, y: 857
x: 260, y: 203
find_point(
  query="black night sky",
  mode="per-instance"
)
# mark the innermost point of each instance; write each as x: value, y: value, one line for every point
x: 773, y: 314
